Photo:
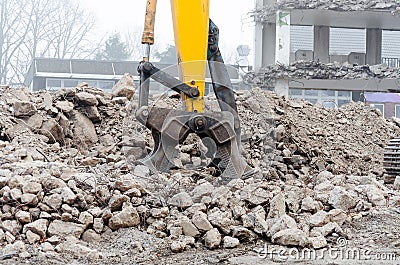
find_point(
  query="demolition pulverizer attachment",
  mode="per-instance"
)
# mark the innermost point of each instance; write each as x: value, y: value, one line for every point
x: 171, y: 127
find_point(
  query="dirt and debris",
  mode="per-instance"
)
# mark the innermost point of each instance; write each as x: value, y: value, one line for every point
x: 268, y: 12
x: 70, y: 187
x: 267, y: 76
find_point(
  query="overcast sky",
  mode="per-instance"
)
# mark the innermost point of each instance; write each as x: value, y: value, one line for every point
x: 231, y: 16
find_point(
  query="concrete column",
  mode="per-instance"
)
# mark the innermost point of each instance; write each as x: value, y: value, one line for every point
x: 258, y: 39
x: 264, y: 39
x: 321, y: 44
x: 282, y: 51
x: 374, y: 46
x: 258, y: 46
x: 269, y: 42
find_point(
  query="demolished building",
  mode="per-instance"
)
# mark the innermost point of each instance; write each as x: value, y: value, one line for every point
x: 303, y: 58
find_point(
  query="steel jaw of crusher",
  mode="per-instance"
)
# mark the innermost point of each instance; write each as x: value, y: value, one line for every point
x: 171, y: 127
x: 391, y: 160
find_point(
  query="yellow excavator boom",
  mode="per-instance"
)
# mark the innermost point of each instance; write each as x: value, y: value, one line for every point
x: 191, y: 23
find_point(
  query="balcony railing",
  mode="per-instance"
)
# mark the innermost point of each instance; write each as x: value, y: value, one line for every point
x: 391, y: 62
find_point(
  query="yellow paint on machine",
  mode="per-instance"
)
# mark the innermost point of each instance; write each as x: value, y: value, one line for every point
x: 191, y: 22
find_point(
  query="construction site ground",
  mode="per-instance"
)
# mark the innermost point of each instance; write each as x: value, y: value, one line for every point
x: 371, y: 232
x: 72, y: 189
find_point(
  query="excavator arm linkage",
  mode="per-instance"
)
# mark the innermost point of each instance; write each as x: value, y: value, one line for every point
x: 196, y: 40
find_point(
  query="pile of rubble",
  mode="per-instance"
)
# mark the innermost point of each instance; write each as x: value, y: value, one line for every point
x: 267, y: 76
x: 65, y: 179
x: 79, y: 126
x: 269, y: 11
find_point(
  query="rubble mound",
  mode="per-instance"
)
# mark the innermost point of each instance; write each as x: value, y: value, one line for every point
x: 267, y: 76
x: 67, y: 175
x: 350, y: 140
x: 269, y: 11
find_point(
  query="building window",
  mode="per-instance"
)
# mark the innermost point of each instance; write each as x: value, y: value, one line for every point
x: 329, y: 104
x: 295, y: 92
x: 328, y: 93
x: 91, y: 83
x: 328, y: 98
x: 312, y: 100
x: 53, y: 84
x: 105, y: 85
x: 311, y: 93
x: 397, y: 111
x: 70, y: 83
x: 342, y: 102
x: 380, y: 107
x: 346, y: 94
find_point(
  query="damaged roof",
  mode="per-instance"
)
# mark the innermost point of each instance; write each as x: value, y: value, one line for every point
x: 265, y: 13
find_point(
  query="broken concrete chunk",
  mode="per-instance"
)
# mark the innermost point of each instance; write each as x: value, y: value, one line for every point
x: 230, y: 242
x: 221, y: 219
x: 117, y: 201
x: 396, y: 184
x: 341, y: 199
x: 38, y: 227
x: 243, y: 234
x: 141, y: 171
x: 282, y: 223
x: 65, y: 106
x: 327, y: 229
x: 201, y: 190
x: 177, y: 246
x: 128, y: 217
x: 277, y: 206
x: 24, y: 108
x: 64, y: 229
x: 84, y: 131
x: 23, y: 217
x: 319, y: 219
x: 11, y: 226
x: 375, y: 195
x: 290, y: 237
x: 200, y: 220
x: 308, y: 204
x: 76, y: 250
x: 32, y: 237
x: 125, y: 87
x: 212, y: 238
x: 181, y: 200
x: 90, y: 236
x: 87, y: 98
x: 337, y: 215
x: 188, y: 228
x: 35, y: 121
x: 260, y: 225
x: 32, y: 187
x: 317, y: 242
x: 92, y: 113
x: 53, y: 131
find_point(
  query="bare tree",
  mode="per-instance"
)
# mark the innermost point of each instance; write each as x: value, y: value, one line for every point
x: 69, y: 37
x: 41, y: 28
x: 12, y: 33
x: 133, y: 40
